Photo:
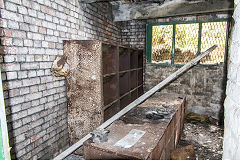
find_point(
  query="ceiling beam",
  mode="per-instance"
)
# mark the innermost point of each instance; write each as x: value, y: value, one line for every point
x: 127, y: 11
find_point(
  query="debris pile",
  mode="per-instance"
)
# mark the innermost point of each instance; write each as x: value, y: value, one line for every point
x: 206, y: 138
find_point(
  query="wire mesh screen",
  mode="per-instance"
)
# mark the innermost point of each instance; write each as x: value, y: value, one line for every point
x: 162, y: 36
x: 214, y: 33
x: 186, y: 42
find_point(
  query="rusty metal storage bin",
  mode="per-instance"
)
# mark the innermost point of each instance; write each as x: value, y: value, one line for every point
x: 161, y: 135
x: 95, y: 87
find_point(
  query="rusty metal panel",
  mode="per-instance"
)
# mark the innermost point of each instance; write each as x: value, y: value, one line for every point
x: 140, y: 58
x: 124, y: 83
x: 110, y: 89
x: 118, y: 130
x: 111, y: 110
x: 93, y: 80
x: 134, y: 95
x: 140, y: 77
x: 124, y: 59
x: 133, y: 79
x: 83, y: 87
x: 140, y: 91
x: 124, y: 101
x: 160, y: 148
x: 93, y: 153
x: 156, y: 143
x: 133, y: 58
x: 110, y: 58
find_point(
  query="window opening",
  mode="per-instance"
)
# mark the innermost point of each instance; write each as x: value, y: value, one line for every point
x: 180, y: 42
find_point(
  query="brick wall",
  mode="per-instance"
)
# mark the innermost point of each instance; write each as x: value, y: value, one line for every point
x: 31, y: 37
x: 203, y: 85
x: 134, y: 31
x: 231, y: 149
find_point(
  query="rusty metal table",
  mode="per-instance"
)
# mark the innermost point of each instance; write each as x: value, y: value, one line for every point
x: 159, y: 138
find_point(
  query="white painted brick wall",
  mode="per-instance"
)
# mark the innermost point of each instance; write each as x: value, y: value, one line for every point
x: 32, y: 34
x: 231, y: 144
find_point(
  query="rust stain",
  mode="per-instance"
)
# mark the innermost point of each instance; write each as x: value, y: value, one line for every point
x: 105, y: 23
x: 160, y: 135
x: 83, y: 83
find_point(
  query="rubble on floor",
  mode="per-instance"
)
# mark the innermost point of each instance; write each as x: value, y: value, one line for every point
x: 206, y: 138
x: 183, y: 153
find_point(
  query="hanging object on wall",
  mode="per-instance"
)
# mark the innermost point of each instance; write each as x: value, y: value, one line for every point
x: 60, y: 66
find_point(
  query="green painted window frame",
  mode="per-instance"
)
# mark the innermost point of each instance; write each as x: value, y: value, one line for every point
x: 4, y: 140
x: 149, y: 38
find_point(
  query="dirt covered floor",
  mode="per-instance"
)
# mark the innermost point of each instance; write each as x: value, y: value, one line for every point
x: 206, y: 138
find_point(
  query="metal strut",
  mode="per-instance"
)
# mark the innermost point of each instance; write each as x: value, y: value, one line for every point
x: 139, y: 100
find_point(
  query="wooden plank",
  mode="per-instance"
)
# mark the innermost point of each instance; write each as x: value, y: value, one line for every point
x: 137, y: 101
x: 3, y: 127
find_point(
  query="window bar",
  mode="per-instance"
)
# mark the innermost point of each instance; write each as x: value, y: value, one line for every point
x: 149, y: 43
x: 199, y: 38
x: 226, y: 42
x: 173, y: 43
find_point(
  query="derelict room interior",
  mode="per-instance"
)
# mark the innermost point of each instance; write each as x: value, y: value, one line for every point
x: 120, y: 79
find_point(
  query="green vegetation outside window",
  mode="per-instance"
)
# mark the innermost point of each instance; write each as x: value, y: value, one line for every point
x: 180, y: 42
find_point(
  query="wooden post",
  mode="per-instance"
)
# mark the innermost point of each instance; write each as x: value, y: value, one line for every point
x: 137, y: 102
